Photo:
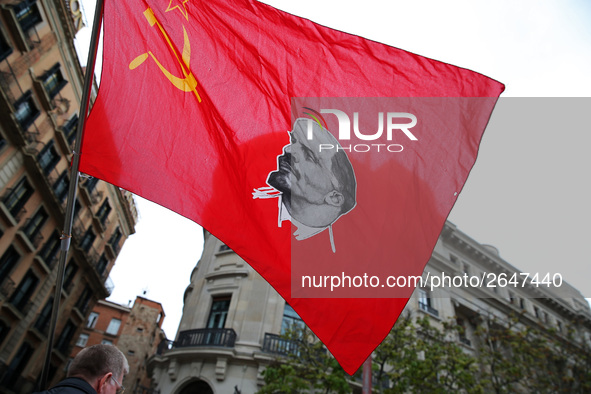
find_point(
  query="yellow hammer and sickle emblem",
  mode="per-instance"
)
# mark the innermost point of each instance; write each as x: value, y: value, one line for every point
x: 186, y: 84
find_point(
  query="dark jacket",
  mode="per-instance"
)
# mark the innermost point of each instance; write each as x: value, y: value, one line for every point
x: 70, y: 386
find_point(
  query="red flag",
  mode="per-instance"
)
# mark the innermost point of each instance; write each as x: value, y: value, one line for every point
x: 193, y: 112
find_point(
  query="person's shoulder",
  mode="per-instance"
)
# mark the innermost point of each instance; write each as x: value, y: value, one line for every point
x: 70, y: 386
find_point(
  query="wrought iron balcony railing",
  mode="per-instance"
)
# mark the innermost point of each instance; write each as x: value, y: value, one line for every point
x: 427, y: 308
x: 34, y: 236
x: 223, y: 337
x: 13, y: 204
x: 7, y: 287
x: 274, y: 343
x: 465, y: 340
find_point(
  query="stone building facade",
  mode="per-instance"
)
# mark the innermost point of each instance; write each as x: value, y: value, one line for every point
x: 140, y: 336
x: 104, y: 325
x: 229, y: 311
x: 136, y: 331
x: 232, y: 319
x: 40, y: 91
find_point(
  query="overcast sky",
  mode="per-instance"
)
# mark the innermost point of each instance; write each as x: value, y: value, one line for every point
x: 529, y: 192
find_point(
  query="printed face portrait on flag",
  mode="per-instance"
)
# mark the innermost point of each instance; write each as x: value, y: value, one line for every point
x: 317, y: 185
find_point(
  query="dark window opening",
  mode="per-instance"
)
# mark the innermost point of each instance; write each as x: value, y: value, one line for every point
x: 48, y: 157
x: 102, y: 264
x: 50, y: 249
x: 90, y: 184
x: 69, y: 274
x: 87, y: 240
x: 53, y: 81
x: 5, y: 48
x: 104, y: 211
x: 42, y: 322
x: 115, y: 238
x: 425, y: 302
x: 33, y: 226
x: 3, y: 142
x: 17, y: 365
x: 65, y: 337
x: 84, y: 300
x: 24, y: 291
x: 27, y: 14
x: 219, y: 312
x: 70, y: 128
x: 18, y: 196
x: 4, y: 330
x: 25, y: 110
x: 197, y: 387
x: 60, y: 186
x: 291, y: 320
x: 77, y: 208
x: 8, y: 261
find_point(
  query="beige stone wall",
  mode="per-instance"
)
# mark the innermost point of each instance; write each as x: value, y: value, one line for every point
x: 139, y: 338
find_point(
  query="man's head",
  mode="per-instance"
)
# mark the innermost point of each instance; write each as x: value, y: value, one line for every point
x: 102, y: 366
x: 318, y: 185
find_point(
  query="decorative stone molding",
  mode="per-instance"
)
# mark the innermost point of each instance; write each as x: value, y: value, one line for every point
x: 173, y: 370
x: 220, y: 368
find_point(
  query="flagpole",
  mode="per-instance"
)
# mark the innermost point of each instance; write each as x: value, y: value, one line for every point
x: 366, y: 376
x: 73, y: 187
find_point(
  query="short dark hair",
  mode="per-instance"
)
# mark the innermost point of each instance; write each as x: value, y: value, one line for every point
x: 96, y: 361
x: 343, y: 172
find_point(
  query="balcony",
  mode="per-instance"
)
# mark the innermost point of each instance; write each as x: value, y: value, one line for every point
x: 7, y: 287
x: 201, y: 337
x: 112, y: 247
x: 25, y: 113
x: 100, y: 265
x: 66, y: 134
x: 111, y: 251
x: 41, y: 327
x: 100, y: 223
x: 12, y: 207
x: 82, y: 306
x: 222, y: 337
x: 27, y: 14
x: 88, y: 191
x: 68, y: 287
x: 427, y: 308
x: 276, y: 344
x: 22, y: 19
x: 19, y: 309
x: 32, y: 240
x: 465, y: 341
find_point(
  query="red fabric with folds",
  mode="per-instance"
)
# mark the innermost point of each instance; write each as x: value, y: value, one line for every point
x: 202, y: 159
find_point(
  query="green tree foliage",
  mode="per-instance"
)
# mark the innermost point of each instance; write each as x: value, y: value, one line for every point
x: 431, y: 360
x: 532, y: 358
x: 306, y: 366
x: 508, y: 354
x: 425, y: 356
